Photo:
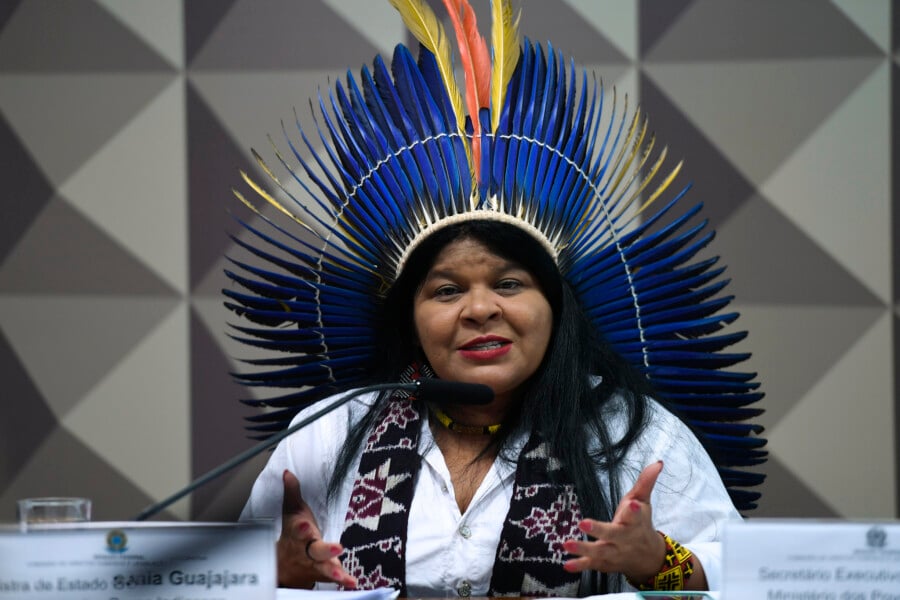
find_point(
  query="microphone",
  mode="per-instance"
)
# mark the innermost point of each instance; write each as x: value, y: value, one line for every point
x: 427, y: 390
x: 452, y: 392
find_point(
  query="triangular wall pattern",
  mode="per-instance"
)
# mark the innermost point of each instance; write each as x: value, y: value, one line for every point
x: 124, y: 126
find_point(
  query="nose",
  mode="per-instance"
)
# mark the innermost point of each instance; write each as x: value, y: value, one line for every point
x: 481, y: 305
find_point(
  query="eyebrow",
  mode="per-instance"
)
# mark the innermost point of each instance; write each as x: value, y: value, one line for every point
x: 508, y: 265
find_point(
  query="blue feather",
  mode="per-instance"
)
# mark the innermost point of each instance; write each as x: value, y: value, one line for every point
x: 391, y: 160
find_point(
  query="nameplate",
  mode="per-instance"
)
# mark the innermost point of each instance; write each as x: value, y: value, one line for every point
x: 131, y: 560
x: 811, y: 560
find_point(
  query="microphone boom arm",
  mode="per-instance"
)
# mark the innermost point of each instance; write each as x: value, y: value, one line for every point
x: 266, y: 444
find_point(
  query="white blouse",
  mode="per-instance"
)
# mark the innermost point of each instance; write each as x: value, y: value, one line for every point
x: 453, y: 552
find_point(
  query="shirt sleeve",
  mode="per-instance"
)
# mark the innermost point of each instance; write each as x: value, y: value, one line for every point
x: 268, y: 490
x: 690, y: 502
x: 310, y: 454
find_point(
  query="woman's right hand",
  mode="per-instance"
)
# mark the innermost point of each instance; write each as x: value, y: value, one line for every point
x: 303, y: 557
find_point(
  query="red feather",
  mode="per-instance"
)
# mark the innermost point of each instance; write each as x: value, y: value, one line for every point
x: 476, y: 64
x: 478, y: 50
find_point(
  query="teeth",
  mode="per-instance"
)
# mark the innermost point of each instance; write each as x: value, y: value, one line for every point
x: 486, y: 346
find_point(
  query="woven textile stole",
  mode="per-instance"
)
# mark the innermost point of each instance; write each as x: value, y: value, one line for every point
x: 543, y: 513
x: 374, y: 536
x: 529, y: 557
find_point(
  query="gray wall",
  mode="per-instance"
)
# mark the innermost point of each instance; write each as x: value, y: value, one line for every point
x: 123, y: 125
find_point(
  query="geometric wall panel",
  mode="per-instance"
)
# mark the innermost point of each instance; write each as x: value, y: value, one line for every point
x: 812, y: 339
x: 224, y: 499
x: 7, y: 9
x: 873, y: 18
x: 65, y: 252
x: 152, y: 222
x: 787, y: 496
x: 25, y: 419
x: 68, y: 344
x: 159, y: 24
x: 736, y: 31
x: 378, y: 26
x: 200, y: 21
x: 213, y: 161
x: 715, y: 179
x: 773, y: 105
x: 569, y: 31
x: 242, y: 102
x: 147, y: 388
x: 655, y: 20
x: 852, y: 193
x: 218, y: 431
x: 62, y: 119
x: 124, y: 125
x: 78, y: 36
x: 772, y: 260
x: 895, y: 214
x: 617, y: 20
x: 855, y: 468
x: 26, y: 192
x: 280, y: 34
x: 63, y: 466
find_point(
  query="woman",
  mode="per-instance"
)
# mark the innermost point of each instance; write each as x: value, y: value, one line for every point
x: 491, y: 240
x: 481, y: 302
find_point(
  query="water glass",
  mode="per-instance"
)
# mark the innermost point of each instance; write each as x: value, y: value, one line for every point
x: 43, y: 511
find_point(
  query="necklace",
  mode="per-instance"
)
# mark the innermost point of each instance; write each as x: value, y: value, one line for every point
x: 452, y: 425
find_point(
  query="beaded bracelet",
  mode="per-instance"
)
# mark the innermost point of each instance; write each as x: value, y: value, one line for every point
x: 676, y: 569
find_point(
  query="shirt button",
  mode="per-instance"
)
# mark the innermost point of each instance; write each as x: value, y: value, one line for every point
x: 465, y: 531
x: 444, y: 488
x: 464, y: 589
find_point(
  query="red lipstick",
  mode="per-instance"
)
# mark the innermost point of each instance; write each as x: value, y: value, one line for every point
x: 485, y: 347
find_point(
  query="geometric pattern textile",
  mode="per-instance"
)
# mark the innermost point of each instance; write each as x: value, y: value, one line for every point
x: 123, y: 127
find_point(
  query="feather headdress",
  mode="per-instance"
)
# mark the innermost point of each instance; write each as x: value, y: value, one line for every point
x: 536, y: 144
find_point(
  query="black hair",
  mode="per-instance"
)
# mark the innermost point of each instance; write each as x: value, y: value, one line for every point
x: 568, y: 399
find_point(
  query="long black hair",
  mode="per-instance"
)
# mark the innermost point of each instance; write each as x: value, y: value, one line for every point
x: 568, y: 399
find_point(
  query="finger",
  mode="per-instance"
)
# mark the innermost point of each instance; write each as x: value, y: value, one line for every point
x: 598, y: 529
x: 319, y: 550
x: 637, y: 501
x: 629, y: 511
x: 577, y: 565
x: 299, y: 530
x: 643, y: 487
x: 595, y: 556
x: 297, y: 521
x: 581, y: 548
x: 292, y: 501
x: 341, y: 577
x: 334, y: 571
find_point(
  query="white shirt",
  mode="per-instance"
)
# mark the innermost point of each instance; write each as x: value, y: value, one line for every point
x: 452, y: 551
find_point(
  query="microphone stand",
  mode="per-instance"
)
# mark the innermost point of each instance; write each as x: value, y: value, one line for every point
x: 268, y: 443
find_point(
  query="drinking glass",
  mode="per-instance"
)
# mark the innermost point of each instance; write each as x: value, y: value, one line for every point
x: 43, y: 511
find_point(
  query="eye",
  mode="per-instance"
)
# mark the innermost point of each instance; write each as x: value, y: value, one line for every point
x: 445, y: 291
x: 509, y: 284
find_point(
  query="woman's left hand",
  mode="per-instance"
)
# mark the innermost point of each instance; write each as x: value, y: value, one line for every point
x: 628, y: 544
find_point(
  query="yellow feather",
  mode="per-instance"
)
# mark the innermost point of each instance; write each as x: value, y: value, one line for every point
x: 265, y: 195
x: 427, y: 29
x: 505, y: 46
